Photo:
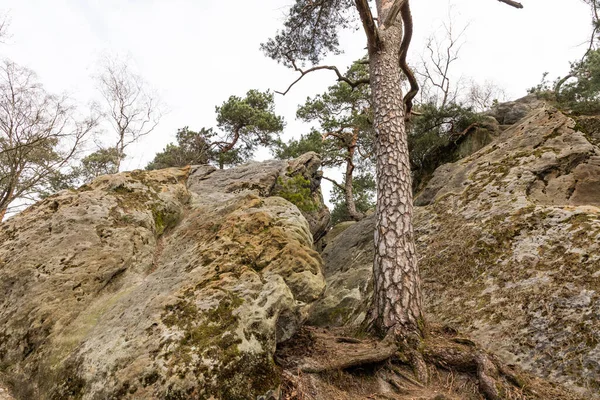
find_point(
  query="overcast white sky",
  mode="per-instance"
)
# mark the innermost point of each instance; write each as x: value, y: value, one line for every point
x: 197, y: 53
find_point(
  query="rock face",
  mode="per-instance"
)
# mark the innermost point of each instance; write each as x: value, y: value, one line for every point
x: 509, y: 246
x: 170, y: 284
x: 512, y: 112
x: 348, y: 259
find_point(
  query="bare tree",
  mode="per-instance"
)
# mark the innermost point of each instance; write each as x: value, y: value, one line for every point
x: 131, y: 108
x: 39, y: 135
x: 482, y: 96
x: 435, y: 67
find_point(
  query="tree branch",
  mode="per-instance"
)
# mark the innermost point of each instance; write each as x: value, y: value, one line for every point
x: 368, y: 22
x: 393, y: 13
x: 512, y: 3
x: 334, y: 182
x: 341, y: 78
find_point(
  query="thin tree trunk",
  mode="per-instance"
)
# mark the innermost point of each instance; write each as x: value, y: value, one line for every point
x: 397, y: 304
x: 236, y: 137
x: 348, y: 189
x: 120, y: 152
x: 6, y: 200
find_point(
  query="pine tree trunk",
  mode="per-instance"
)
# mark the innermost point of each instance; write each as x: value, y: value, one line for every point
x: 348, y: 183
x: 397, y: 304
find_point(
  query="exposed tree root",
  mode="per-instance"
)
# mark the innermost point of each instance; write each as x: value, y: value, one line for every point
x: 445, y: 366
x: 463, y: 358
x: 353, y: 354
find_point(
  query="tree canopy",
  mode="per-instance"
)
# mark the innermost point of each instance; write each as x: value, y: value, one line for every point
x: 244, y: 124
x: 131, y: 107
x: 344, y: 137
x: 40, y: 134
x: 192, y: 148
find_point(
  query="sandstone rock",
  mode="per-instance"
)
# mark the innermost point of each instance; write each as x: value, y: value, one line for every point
x: 297, y: 180
x: 334, y: 232
x: 511, y: 112
x: 348, y: 260
x: 169, y: 284
x: 509, y: 247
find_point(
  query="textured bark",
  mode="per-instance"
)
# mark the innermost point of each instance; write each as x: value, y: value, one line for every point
x: 348, y: 189
x: 397, y: 301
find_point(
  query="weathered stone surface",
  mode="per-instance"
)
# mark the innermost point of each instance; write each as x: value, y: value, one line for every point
x: 298, y: 180
x: 511, y: 112
x: 332, y: 234
x: 171, y: 284
x: 509, y: 247
x: 348, y: 260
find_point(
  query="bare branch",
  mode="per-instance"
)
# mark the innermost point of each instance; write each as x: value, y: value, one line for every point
x: 334, y: 182
x: 4, y: 23
x: 441, y: 54
x: 512, y: 3
x: 404, y: 8
x: 39, y: 135
x: 132, y: 110
x: 341, y: 78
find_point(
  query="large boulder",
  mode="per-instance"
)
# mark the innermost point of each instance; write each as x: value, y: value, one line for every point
x: 170, y: 284
x: 509, y: 248
x: 511, y: 112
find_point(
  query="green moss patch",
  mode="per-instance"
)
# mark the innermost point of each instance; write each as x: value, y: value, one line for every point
x: 212, y: 335
x: 297, y: 191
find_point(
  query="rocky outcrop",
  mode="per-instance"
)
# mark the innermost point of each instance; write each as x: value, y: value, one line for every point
x: 170, y: 284
x: 511, y: 112
x: 509, y: 249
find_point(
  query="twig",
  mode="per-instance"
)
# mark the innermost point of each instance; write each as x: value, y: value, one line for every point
x: 334, y: 182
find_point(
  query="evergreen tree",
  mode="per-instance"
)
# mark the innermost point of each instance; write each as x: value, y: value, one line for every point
x: 192, y: 148
x: 344, y: 138
x: 311, y: 31
x: 100, y: 162
x: 579, y: 91
x: 245, y: 123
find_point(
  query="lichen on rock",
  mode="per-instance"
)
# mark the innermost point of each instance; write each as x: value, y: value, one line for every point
x: 508, y: 248
x: 170, y: 284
